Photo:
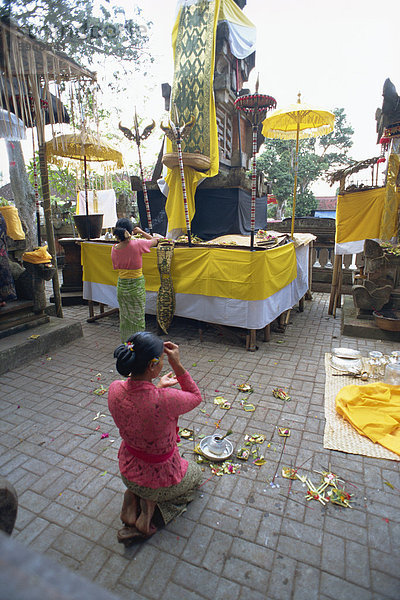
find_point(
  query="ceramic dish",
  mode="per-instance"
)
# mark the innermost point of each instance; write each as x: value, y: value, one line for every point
x: 349, y: 365
x: 228, y: 451
x: 348, y: 353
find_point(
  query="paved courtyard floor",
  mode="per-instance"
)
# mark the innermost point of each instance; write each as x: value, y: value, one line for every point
x: 247, y: 536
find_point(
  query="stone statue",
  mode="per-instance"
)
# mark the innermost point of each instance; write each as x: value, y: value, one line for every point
x: 389, y: 114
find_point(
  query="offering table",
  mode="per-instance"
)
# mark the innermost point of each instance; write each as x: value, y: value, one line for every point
x: 224, y: 286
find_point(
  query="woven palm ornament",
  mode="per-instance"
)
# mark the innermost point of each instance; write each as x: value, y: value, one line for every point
x: 166, y: 293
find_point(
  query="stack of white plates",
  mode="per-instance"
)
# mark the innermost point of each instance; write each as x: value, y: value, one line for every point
x: 346, y: 359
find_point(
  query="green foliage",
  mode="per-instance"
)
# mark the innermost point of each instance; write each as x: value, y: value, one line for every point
x: 316, y: 156
x: 4, y: 202
x: 87, y: 31
x: 62, y: 183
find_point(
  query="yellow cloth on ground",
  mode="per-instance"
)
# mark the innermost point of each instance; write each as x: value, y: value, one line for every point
x: 193, y: 43
x: 37, y: 257
x: 221, y: 272
x: 13, y: 222
x: 374, y: 411
x: 389, y: 220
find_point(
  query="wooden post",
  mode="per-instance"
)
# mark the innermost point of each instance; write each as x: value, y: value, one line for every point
x: 337, y: 275
x: 44, y: 176
x: 308, y: 294
x: 251, y: 340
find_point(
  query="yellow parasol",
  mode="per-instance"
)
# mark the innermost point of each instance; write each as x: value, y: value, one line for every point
x: 297, y: 122
x: 85, y: 146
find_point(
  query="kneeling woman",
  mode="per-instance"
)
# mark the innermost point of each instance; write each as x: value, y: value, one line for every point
x: 147, y: 415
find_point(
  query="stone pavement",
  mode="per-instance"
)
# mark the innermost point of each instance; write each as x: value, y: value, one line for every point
x: 247, y: 535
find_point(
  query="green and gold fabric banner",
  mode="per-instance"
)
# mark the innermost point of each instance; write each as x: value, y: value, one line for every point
x: 193, y: 41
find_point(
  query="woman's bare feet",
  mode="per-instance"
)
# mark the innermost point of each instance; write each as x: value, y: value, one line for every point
x: 129, y: 509
x: 143, y: 522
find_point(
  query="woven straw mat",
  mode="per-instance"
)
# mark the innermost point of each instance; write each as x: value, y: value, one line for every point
x: 339, y: 434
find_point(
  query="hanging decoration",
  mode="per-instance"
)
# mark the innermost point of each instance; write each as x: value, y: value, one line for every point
x: 31, y: 80
x: 138, y: 138
x: 255, y: 107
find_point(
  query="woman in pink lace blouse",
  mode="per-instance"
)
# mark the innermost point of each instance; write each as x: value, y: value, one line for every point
x: 147, y: 415
x: 126, y: 258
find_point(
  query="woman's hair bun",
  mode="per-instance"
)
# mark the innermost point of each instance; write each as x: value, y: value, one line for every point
x: 122, y: 227
x: 125, y: 355
x: 134, y: 356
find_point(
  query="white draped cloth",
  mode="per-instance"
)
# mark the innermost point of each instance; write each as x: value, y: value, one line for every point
x: 100, y: 202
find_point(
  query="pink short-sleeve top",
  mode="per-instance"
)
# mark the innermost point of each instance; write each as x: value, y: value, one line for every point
x: 130, y: 256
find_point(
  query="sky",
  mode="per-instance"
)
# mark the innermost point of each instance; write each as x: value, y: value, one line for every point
x: 337, y: 53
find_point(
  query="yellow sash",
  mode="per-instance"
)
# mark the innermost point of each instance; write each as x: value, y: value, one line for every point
x: 129, y: 273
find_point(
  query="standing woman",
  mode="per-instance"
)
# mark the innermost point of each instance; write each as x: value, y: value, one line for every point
x: 126, y: 257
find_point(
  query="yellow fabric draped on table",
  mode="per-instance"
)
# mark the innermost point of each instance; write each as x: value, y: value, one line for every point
x: 374, y: 411
x: 221, y: 272
x: 370, y: 214
x: 358, y: 215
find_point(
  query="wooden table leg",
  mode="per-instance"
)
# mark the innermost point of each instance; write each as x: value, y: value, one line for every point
x: 251, y: 339
x: 106, y: 313
x: 308, y: 295
x: 91, y: 309
x: 267, y: 333
x: 301, y: 304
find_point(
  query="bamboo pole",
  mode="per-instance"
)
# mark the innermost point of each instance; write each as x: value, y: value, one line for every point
x: 44, y: 176
x: 335, y: 275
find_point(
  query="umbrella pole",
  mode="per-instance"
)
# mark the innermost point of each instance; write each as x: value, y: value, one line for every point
x: 253, y: 189
x: 296, y: 168
x: 86, y: 197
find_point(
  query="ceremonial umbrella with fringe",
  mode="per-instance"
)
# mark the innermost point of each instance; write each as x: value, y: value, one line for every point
x: 297, y: 122
x: 11, y: 128
x: 85, y: 146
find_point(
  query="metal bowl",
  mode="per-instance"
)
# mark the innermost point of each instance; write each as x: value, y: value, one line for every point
x: 205, y: 450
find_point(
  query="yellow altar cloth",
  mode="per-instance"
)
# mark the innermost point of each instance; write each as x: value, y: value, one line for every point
x: 218, y: 272
x: 374, y: 411
x: 358, y: 215
x: 368, y: 214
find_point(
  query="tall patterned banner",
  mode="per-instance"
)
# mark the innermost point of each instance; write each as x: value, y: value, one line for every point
x: 193, y: 40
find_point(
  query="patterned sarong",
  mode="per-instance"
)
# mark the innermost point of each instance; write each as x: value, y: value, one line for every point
x: 131, y: 295
x: 171, y: 501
